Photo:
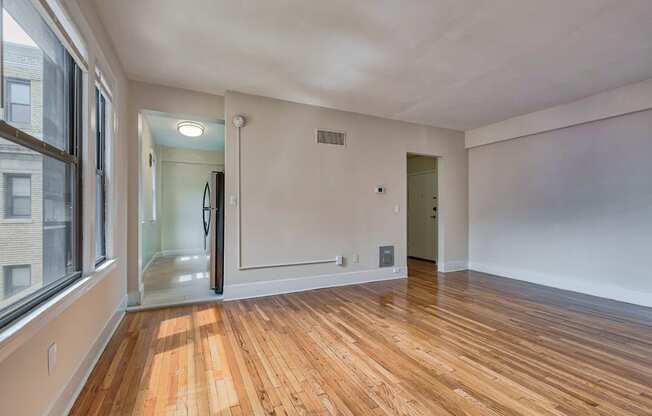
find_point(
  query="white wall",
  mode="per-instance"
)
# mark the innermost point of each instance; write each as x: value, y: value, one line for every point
x: 303, y: 201
x: 184, y: 173
x: 151, y: 223
x: 611, y: 103
x: 25, y: 386
x: 570, y: 208
x: 148, y: 147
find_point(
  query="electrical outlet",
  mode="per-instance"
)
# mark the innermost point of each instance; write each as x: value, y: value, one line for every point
x: 356, y: 258
x: 52, y: 358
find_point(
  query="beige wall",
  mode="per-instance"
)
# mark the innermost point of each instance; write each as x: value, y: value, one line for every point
x: 148, y: 146
x: 180, y: 155
x: 25, y: 386
x: 303, y: 201
x: 176, y: 101
x: 151, y: 221
x: 570, y: 208
x: 184, y: 173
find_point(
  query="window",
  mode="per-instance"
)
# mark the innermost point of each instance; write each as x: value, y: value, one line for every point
x: 47, y: 152
x: 100, y: 177
x: 18, y: 100
x: 16, y: 279
x: 18, y: 196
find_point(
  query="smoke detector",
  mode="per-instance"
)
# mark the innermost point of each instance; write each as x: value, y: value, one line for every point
x: 239, y: 121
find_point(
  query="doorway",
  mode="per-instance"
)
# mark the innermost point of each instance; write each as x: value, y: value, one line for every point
x: 176, y: 167
x: 422, y: 208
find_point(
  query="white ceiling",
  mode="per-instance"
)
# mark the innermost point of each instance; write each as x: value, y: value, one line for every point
x: 164, y: 131
x: 452, y: 63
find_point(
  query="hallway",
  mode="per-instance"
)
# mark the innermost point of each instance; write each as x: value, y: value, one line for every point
x: 176, y: 279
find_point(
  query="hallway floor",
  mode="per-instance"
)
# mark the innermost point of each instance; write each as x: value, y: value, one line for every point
x: 177, y: 279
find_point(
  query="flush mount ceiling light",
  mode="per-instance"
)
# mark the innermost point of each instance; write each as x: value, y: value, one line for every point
x: 190, y: 128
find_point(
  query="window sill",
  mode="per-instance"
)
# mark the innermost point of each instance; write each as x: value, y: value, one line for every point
x: 19, y: 332
x: 16, y: 221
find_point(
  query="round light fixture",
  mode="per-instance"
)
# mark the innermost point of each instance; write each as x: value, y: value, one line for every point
x: 190, y: 128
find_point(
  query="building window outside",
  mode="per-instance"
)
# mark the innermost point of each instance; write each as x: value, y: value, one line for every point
x: 18, y: 100
x: 18, y: 196
x: 16, y: 279
x: 43, y: 95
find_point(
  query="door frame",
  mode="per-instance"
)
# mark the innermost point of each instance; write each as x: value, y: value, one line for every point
x: 140, y: 113
x: 440, y: 228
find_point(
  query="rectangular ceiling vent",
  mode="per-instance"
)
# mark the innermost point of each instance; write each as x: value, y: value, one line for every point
x: 337, y: 138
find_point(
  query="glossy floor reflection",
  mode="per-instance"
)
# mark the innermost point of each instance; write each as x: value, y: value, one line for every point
x: 461, y: 343
x: 172, y: 279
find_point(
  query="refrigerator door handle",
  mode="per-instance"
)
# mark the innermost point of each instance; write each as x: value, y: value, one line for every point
x: 206, y: 209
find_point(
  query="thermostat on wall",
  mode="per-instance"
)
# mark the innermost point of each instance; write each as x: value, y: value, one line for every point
x: 380, y: 189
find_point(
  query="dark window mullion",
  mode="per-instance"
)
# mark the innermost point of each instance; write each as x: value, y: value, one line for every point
x: 100, y: 152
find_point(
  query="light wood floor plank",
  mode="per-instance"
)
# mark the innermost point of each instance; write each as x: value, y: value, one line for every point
x: 462, y: 343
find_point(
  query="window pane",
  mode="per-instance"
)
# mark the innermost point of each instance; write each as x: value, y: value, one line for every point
x: 19, y: 93
x: 20, y: 186
x: 21, y: 207
x: 19, y: 113
x: 47, y: 244
x: 32, y: 52
x: 20, y: 276
x: 99, y: 218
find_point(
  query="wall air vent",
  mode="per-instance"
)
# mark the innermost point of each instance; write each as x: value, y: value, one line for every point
x: 337, y: 138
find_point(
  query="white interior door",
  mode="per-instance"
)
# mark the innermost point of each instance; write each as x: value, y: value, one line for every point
x: 422, y: 215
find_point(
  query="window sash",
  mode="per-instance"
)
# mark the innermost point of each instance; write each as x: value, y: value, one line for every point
x: 10, y: 288
x: 13, y: 105
x: 19, y: 113
x: 12, y: 83
x: 100, y: 163
x: 13, y: 195
x: 18, y: 210
x: 72, y: 157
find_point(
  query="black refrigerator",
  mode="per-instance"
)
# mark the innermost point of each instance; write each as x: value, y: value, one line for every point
x: 213, y: 218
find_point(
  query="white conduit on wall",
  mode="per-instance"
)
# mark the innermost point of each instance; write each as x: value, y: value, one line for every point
x: 239, y: 122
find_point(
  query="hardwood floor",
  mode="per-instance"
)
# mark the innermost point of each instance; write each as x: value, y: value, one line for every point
x: 462, y: 343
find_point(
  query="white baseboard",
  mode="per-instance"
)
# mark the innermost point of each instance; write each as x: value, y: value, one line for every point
x: 133, y: 298
x: 278, y: 287
x: 573, y: 284
x: 69, y: 395
x: 453, y: 266
x: 180, y: 252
